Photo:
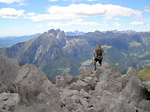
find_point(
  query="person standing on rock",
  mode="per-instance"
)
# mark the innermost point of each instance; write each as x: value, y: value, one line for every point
x: 99, y: 55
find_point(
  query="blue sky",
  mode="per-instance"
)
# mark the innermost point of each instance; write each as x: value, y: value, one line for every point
x: 25, y: 17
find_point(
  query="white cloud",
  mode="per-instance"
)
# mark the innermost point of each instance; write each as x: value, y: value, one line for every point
x: 147, y: 19
x: 81, y: 22
x: 22, y: 4
x: 76, y: 11
x: 9, y: 1
x: 73, y: 22
x: 56, y: 24
x: 77, y: 22
x: 31, y: 14
x: 136, y: 23
x: 118, y: 11
x: 116, y: 24
x: 10, y: 13
x: 107, y: 18
x: 117, y: 18
x: 39, y: 26
x: 147, y: 10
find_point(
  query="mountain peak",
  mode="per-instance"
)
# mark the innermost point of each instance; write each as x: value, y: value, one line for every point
x: 74, y: 33
x: 54, y: 31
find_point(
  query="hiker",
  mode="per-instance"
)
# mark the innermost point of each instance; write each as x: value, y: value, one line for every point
x: 99, y: 55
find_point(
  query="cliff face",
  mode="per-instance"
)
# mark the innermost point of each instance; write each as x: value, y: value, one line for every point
x: 103, y: 90
x: 9, y: 70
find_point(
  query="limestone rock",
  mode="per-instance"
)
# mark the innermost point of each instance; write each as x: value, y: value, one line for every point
x: 2, y: 87
x: 85, y: 71
x: 144, y: 104
x: 133, y: 85
x: 106, y: 65
x: 81, y: 85
x: 9, y: 69
x: 75, y: 86
x: 103, y: 90
x: 131, y: 72
x: 36, y: 92
x: 84, y: 102
x: 69, y: 93
x: 8, y: 101
x: 63, y: 80
x: 147, y: 85
x: 67, y: 77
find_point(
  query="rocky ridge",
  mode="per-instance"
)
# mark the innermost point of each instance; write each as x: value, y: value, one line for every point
x: 103, y: 90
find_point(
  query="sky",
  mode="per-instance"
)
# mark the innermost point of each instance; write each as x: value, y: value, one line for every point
x: 26, y: 17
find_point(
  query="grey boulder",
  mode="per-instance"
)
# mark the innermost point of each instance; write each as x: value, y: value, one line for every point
x: 8, y: 101
x: 9, y: 69
x: 36, y: 92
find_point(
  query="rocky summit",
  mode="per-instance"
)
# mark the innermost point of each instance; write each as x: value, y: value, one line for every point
x: 103, y: 90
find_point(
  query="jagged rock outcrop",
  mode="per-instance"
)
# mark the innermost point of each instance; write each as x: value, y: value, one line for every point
x: 147, y: 85
x: 105, y: 90
x: 9, y: 69
x: 36, y: 92
x: 8, y: 101
x: 85, y: 71
x: 63, y: 80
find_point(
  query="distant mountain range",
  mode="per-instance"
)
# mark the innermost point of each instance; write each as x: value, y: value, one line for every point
x: 74, y: 33
x: 9, y: 41
x: 54, y: 52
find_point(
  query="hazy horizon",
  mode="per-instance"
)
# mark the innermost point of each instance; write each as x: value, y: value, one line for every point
x: 11, y: 36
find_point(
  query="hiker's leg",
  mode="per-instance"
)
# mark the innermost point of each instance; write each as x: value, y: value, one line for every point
x: 95, y: 64
x: 100, y: 62
x: 95, y: 60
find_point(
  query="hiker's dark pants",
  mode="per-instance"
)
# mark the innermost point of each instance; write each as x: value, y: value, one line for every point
x: 99, y: 60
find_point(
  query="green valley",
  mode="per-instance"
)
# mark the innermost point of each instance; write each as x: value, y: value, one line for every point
x: 144, y: 74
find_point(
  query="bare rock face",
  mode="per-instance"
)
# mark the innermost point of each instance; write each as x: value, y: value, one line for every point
x: 63, y: 80
x: 147, y: 85
x: 9, y: 69
x: 105, y: 90
x: 36, y: 92
x: 8, y: 101
x: 85, y: 71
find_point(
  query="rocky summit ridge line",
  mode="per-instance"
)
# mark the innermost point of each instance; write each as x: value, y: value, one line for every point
x: 103, y: 90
